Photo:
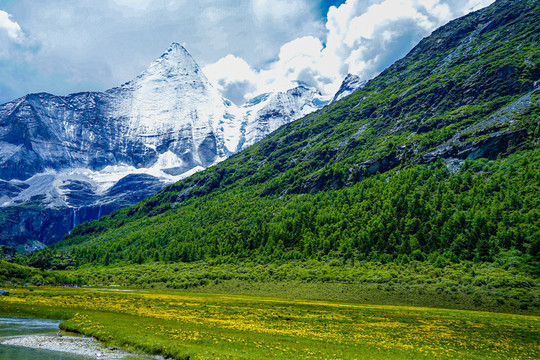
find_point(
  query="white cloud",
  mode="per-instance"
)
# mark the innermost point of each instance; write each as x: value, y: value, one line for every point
x: 15, y: 45
x: 362, y: 37
x: 103, y: 43
x: 380, y: 16
x: 10, y: 27
x: 10, y: 35
x: 96, y: 45
x: 278, y: 10
x: 298, y: 60
x: 233, y: 77
x: 134, y: 4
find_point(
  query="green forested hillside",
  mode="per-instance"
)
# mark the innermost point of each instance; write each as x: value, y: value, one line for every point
x: 437, y: 155
x: 409, y: 213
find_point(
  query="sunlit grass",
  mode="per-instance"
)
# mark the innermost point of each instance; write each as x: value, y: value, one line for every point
x: 209, y: 326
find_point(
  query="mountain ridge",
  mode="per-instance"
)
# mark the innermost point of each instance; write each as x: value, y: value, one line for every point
x: 443, y: 125
x: 167, y: 123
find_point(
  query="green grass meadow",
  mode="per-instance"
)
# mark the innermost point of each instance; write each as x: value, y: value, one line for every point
x: 184, y: 325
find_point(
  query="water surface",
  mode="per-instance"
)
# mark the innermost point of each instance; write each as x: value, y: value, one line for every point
x: 17, y: 326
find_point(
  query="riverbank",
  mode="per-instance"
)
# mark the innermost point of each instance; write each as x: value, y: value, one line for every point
x: 78, y: 345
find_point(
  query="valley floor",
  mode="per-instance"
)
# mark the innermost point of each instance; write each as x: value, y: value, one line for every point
x: 186, y: 325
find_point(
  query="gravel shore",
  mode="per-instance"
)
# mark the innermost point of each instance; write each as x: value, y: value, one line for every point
x: 84, y: 346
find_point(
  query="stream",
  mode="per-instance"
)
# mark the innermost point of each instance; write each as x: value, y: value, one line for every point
x: 18, y: 326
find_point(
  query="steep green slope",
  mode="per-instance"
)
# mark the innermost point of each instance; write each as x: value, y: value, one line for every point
x: 378, y: 175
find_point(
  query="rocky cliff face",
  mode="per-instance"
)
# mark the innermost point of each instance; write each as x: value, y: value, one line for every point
x: 68, y: 159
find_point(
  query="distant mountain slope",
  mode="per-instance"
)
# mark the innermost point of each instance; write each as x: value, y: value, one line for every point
x: 61, y: 156
x: 468, y: 91
x: 267, y: 112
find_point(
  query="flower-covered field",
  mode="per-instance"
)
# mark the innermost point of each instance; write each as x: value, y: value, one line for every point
x: 206, y: 326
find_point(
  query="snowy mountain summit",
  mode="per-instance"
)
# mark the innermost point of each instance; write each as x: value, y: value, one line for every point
x: 350, y: 84
x: 173, y: 113
x: 68, y: 159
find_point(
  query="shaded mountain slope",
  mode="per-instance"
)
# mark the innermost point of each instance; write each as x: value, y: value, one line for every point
x: 380, y: 173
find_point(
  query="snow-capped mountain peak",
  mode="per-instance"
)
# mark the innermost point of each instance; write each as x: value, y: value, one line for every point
x: 172, y: 107
x: 84, y: 155
x: 267, y: 112
x: 350, y: 84
x: 175, y: 63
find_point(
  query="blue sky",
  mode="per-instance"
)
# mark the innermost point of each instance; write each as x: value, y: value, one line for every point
x: 245, y: 47
x: 324, y: 5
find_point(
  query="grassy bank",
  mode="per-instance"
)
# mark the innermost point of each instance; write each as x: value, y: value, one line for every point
x: 188, y: 325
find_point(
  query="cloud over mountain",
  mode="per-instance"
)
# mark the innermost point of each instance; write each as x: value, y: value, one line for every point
x: 361, y: 37
x: 64, y: 46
